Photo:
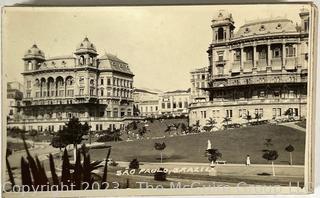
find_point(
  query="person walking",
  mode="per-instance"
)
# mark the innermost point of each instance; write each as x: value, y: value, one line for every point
x: 248, y: 160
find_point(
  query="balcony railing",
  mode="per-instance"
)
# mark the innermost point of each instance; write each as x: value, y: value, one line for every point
x: 261, y: 79
x: 291, y: 63
x: 276, y: 63
x: 247, y: 66
x: 219, y: 102
x: 235, y: 67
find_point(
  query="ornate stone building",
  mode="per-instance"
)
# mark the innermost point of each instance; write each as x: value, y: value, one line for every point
x: 260, y: 69
x: 94, y: 89
x: 199, y: 80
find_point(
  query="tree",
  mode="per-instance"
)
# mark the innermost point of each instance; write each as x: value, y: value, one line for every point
x: 226, y: 120
x: 33, y: 133
x: 73, y: 132
x: 160, y: 147
x: 247, y: 117
x: 57, y: 142
x: 142, y: 131
x: 290, y: 149
x: 257, y: 116
x: 213, y: 155
x: 289, y: 113
x: 211, y: 123
x: 269, y: 154
x: 183, y: 128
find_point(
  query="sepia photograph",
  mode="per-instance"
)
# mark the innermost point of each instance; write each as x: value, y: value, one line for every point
x: 157, y: 100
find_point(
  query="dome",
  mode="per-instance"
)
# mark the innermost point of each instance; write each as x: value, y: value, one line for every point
x: 222, y: 15
x: 266, y: 26
x: 34, y: 52
x: 86, y: 47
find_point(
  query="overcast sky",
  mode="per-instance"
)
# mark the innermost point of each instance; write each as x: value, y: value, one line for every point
x: 161, y: 44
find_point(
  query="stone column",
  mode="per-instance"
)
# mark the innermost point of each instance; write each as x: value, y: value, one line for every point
x: 269, y: 56
x: 241, y: 58
x: 255, y: 56
x: 283, y: 54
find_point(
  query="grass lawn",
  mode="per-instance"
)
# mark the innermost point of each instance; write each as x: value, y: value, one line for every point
x: 234, y: 144
x: 302, y: 123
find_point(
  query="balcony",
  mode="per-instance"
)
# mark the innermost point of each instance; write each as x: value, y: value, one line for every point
x: 220, y: 62
x: 247, y: 66
x: 276, y: 63
x: 225, y: 102
x: 262, y: 64
x: 291, y: 63
x: 236, y: 67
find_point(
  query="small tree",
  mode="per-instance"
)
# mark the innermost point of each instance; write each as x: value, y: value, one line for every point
x: 73, y: 132
x: 269, y: 154
x: 160, y: 147
x: 289, y: 113
x: 257, y: 116
x: 33, y: 133
x: 213, y: 155
x: 247, y: 117
x: 211, y: 123
x: 142, y: 131
x: 290, y: 149
x: 183, y: 128
x: 226, y: 120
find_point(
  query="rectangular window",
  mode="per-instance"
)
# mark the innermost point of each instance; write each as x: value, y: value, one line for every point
x: 174, y: 105
x: 279, y: 112
x: 81, y: 92
x: 290, y: 51
x: 237, y: 56
x: 156, y: 108
x: 261, y: 112
x: 28, y: 84
x: 101, y: 81
x: 204, y: 114
x: 101, y: 92
x: 230, y: 112
x: 276, y: 53
x: 249, y: 55
x: 220, y: 58
x: 168, y: 105
x: 163, y: 105
x: 263, y: 54
x: 240, y: 113
x: 81, y: 80
x: 220, y: 70
x: 115, y: 113
x: 180, y: 104
x: 61, y: 93
x: 186, y: 105
x: 29, y: 94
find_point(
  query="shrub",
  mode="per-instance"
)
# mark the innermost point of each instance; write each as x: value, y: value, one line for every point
x: 160, y: 175
x: 134, y: 164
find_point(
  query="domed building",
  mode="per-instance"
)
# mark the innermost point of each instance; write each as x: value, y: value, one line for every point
x: 260, y: 71
x: 95, y: 89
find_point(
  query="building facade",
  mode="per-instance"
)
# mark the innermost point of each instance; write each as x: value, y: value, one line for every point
x: 14, y: 99
x: 199, y: 81
x: 259, y: 70
x: 95, y: 89
x: 146, y: 103
x: 174, y: 103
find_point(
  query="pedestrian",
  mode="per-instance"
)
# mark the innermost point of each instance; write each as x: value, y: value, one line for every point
x: 248, y: 160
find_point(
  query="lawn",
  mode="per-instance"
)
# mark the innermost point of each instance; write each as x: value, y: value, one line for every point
x: 234, y: 144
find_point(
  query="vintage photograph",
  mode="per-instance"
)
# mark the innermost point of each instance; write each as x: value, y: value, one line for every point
x: 113, y: 99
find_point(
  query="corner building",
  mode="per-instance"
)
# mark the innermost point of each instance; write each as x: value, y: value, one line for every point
x: 95, y: 89
x: 261, y: 69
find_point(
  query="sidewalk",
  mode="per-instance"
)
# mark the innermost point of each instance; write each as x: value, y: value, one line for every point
x: 293, y: 125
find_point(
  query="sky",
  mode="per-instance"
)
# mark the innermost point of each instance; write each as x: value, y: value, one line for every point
x: 161, y: 44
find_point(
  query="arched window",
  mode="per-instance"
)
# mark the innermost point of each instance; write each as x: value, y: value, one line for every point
x: 81, y: 60
x: 220, y: 34
x: 29, y: 65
